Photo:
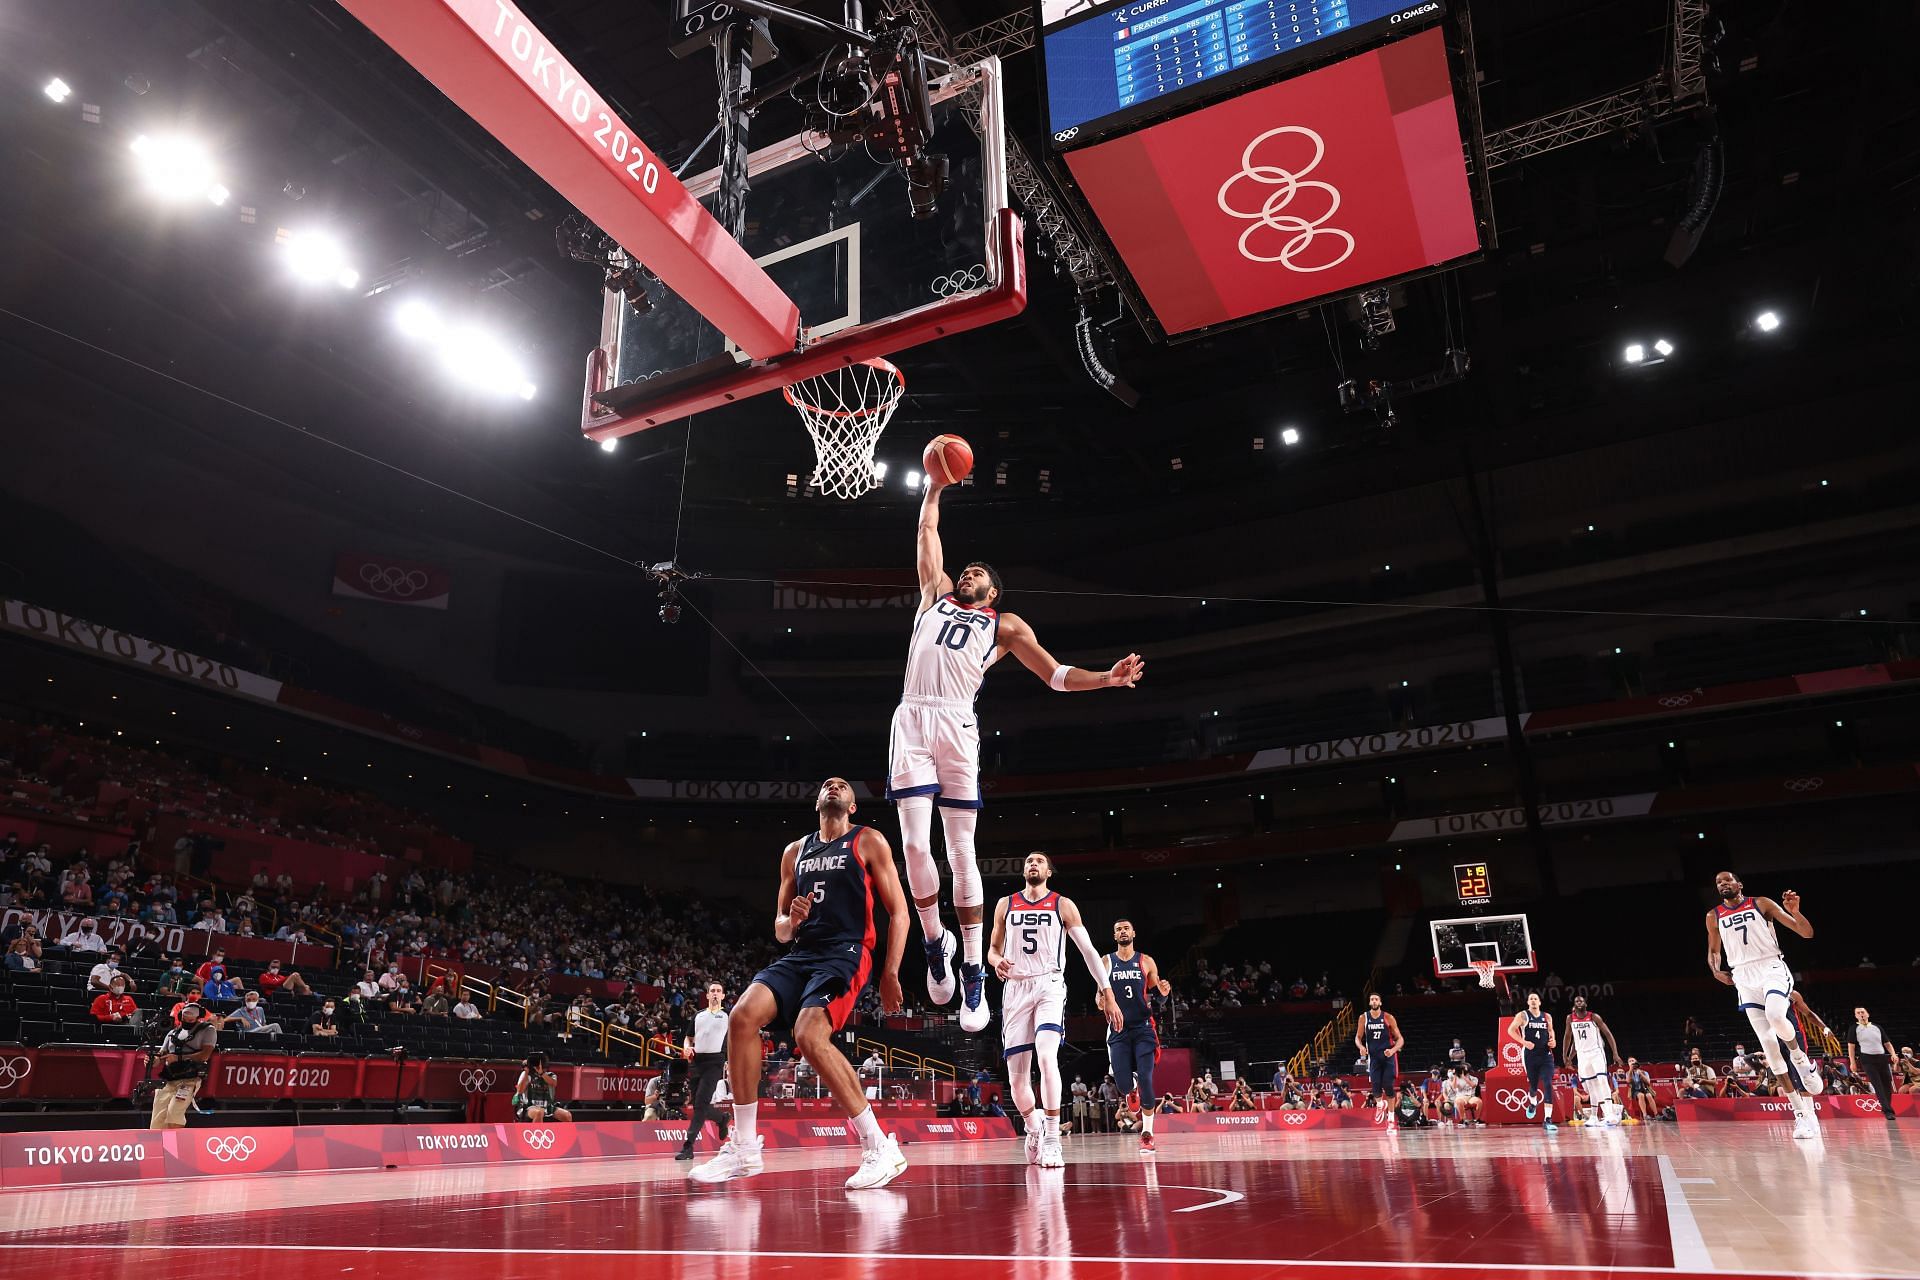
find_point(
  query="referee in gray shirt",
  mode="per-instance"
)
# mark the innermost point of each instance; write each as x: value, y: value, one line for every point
x: 1868, y: 1054
x: 707, y: 1049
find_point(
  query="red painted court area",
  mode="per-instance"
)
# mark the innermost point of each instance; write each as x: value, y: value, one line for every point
x: 1364, y: 1203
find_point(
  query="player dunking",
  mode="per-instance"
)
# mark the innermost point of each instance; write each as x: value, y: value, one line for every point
x: 1741, y: 927
x: 934, y: 747
x: 1029, y: 952
x: 828, y: 881
x: 1534, y: 1029
x: 1378, y: 1036
x: 1134, y: 1047
x: 1591, y: 1052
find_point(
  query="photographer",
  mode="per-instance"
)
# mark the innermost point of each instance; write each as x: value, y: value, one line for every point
x: 535, y: 1094
x: 184, y: 1057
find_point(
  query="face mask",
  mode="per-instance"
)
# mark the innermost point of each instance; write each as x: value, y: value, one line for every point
x: 119, y: 991
x: 329, y: 1009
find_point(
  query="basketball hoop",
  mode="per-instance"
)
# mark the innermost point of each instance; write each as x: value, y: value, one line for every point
x: 1484, y: 970
x: 845, y: 410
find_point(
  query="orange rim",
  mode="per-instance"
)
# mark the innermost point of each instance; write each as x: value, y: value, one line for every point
x: 884, y: 366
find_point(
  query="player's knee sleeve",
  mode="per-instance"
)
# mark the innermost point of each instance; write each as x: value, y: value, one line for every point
x: 916, y: 839
x: 1046, y: 1047
x: 1769, y: 1043
x: 1143, y: 1072
x: 1020, y: 1080
x: 959, y: 825
x: 1780, y: 1018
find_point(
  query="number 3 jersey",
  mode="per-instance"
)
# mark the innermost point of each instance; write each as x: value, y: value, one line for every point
x: 831, y: 875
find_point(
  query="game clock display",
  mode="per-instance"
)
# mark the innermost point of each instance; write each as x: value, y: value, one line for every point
x: 1109, y: 63
x: 1473, y: 884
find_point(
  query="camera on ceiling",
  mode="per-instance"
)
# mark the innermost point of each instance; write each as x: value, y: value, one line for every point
x: 881, y: 98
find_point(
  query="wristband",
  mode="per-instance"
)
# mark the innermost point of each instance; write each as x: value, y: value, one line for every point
x: 1059, y: 680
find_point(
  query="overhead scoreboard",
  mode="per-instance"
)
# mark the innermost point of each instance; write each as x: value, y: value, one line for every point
x: 1238, y: 159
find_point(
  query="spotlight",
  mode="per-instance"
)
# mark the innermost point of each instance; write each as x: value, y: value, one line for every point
x: 175, y: 168
x: 416, y: 319
x: 1664, y: 347
x: 1767, y: 321
x: 913, y: 479
x: 610, y: 444
x: 1635, y: 353
x: 879, y: 472
x: 218, y: 194
x: 57, y: 89
x: 1289, y: 437
x: 318, y: 258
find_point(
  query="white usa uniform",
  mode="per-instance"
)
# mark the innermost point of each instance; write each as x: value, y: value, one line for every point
x: 1752, y: 949
x: 1035, y: 997
x: 934, y: 746
x: 1589, y: 1048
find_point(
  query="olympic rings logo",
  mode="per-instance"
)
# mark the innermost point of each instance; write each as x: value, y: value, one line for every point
x: 1867, y: 1106
x: 229, y: 1150
x: 391, y: 580
x: 1677, y: 700
x: 1299, y: 232
x: 538, y: 1139
x: 1804, y: 784
x: 1293, y: 1117
x: 960, y: 281
x: 14, y: 1070
x: 476, y: 1081
x: 1511, y: 1099
x: 1067, y: 135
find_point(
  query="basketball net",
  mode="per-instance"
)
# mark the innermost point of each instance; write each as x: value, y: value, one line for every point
x: 1484, y: 970
x: 845, y: 410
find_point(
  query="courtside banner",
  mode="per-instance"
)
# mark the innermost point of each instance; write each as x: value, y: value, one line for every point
x: 70, y: 632
x: 1262, y: 1121
x: 132, y: 1155
x: 1852, y: 1106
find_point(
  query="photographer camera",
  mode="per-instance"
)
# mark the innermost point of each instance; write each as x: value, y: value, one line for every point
x: 184, y: 1055
x: 535, y: 1094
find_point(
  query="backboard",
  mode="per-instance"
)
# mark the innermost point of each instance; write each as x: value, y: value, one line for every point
x: 1505, y: 940
x: 834, y: 229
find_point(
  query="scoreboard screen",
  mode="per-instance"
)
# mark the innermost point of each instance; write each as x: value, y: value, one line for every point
x: 1473, y: 884
x: 1107, y: 63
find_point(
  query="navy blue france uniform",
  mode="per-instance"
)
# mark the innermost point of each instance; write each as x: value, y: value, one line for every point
x: 1134, y: 1048
x: 1382, y: 1071
x: 1539, y: 1057
x: 832, y: 954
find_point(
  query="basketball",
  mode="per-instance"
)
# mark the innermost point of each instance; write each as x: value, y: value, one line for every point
x: 948, y: 457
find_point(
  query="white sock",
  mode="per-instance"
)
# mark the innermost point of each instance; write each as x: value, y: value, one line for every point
x: 930, y: 927
x: 744, y: 1115
x: 868, y: 1128
x: 1546, y: 1110
x: 970, y: 942
x: 1146, y: 1121
x: 1050, y: 1126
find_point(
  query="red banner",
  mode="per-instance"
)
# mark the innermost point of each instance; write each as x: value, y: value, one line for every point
x: 1262, y: 1121
x: 49, y: 1159
x: 1852, y: 1106
x: 391, y: 581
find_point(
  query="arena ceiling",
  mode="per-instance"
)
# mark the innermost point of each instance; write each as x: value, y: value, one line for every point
x: 315, y: 118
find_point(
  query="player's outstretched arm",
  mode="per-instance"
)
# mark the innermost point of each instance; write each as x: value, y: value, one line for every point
x: 878, y: 855
x: 790, y: 907
x: 1787, y: 912
x: 997, y: 959
x: 1017, y: 638
x: 928, y: 556
x: 1077, y: 930
x: 1713, y: 952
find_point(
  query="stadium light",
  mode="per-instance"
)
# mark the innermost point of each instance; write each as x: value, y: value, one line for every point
x: 176, y: 168
x: 1635, y: 353
x: 1664, y: 347
x: 608, y: 446
x: 913, y: 479
x: 1289, y: 436
x: 879, y: 472
x: 474, y: 357
x: 416, y: 319
x: 1767, y: 321
x: 57, y: 89
x: 317, y: 258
